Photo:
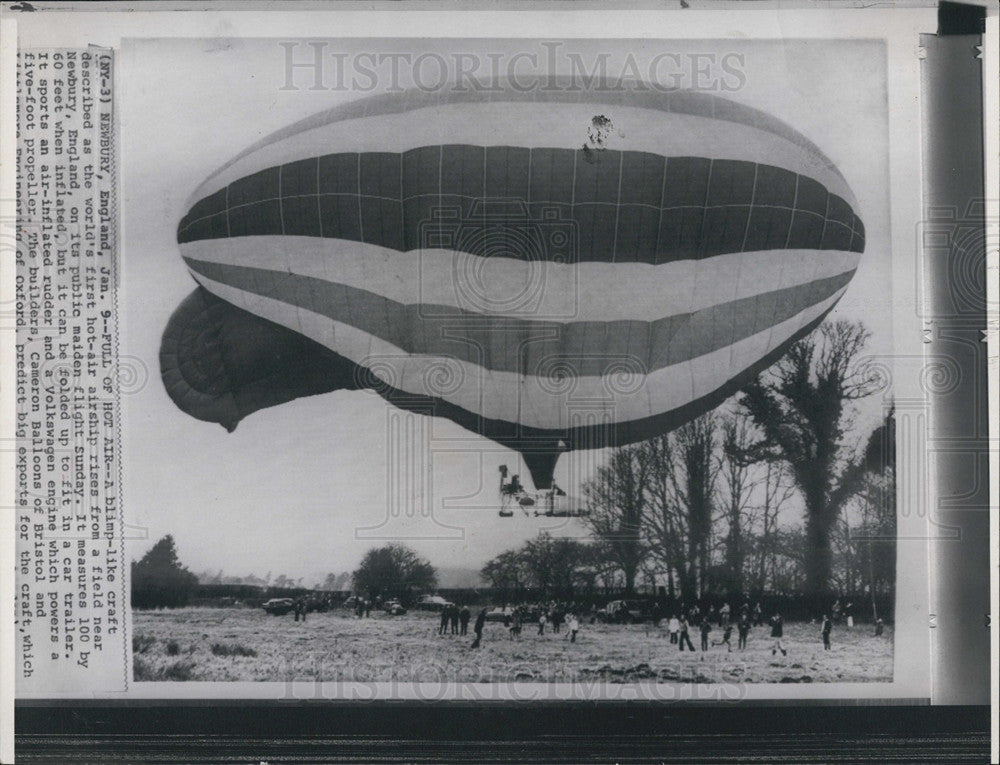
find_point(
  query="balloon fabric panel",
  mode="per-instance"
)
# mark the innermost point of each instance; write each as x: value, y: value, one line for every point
x: 651, y: 271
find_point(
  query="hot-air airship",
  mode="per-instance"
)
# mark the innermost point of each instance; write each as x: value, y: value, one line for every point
x: 552, y: 268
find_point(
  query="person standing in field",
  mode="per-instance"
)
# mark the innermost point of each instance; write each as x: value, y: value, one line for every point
x: 574, y: 627
x: 743, y: 627
x: 541, y: 623
x: 557, y: 618
x: 776, y: 633
x: 478, y: 628
x: 515, y: 625
x: 724, y: 615
x: 827, y: 626
x: 879, y: 627
x: 453, y: 618
x: 443, y: 629
x: 706, y: 627
x: 673, y: 627
x: 463, y: 620
x: 368, y: 609
x: 727, y: 635
x: 694, y: 615
x: 758, y: 615
x: 685, y: 637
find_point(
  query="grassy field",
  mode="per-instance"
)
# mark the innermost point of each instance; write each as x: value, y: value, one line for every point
x: 227, y: 644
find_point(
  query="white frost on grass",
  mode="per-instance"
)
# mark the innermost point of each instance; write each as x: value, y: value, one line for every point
x: 336, y: 646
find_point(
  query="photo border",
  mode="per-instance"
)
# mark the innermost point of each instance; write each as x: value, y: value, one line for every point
x: 40, y: 719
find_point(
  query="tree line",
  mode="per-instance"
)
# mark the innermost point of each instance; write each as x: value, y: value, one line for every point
x: 160, y: 580
x: 705, y: 509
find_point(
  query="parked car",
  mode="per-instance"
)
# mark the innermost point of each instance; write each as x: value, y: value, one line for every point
x: 279, y: 606
x: 530, y: 613
x: 433, y: 603
x: 393, y: 608
x: 625, y: 612
x: 319, y: 604
x: 499, y: 614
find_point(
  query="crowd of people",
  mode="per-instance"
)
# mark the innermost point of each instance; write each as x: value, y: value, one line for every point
x: 552, y: 615
x: 687, y: 620
x: 678, y: 626
x: 455, y: 617
x: 363, y: 607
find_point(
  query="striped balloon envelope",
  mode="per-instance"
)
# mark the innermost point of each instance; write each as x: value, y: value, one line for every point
x: 553, y: 269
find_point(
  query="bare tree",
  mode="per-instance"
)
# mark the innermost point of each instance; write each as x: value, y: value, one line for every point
x: 330, y: 582
x: 665, y: 527
x: 801, y: 406
x: 846, y: 568
x: 875, y: 538
x: 776, y: 490
x: 682, y: 470
x: 695, y: 491
x: 616, y: 499
x: 737, y: 490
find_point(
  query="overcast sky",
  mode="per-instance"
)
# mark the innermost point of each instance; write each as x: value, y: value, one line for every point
x: 300, y: 489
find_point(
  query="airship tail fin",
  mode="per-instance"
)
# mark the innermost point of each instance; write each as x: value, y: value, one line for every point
x: 219, y: 363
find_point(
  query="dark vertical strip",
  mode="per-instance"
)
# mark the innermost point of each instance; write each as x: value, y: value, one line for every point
x: 951, y: 90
